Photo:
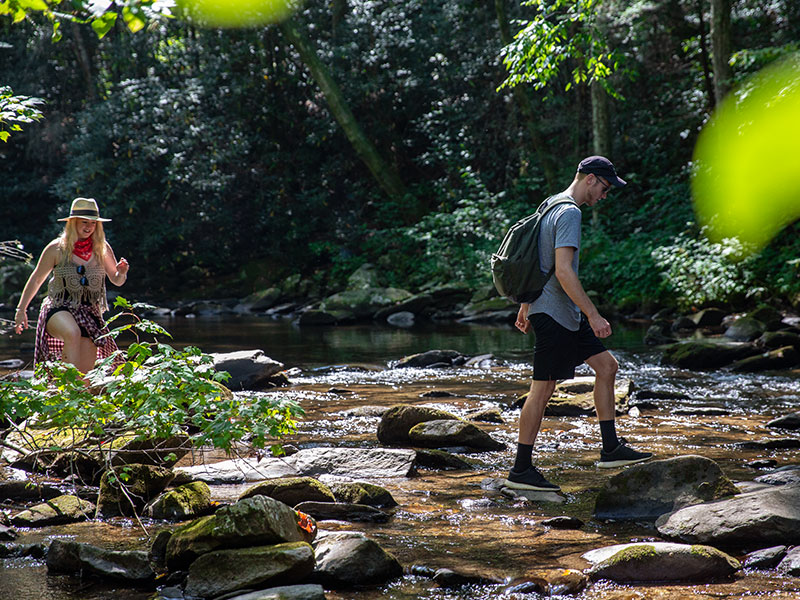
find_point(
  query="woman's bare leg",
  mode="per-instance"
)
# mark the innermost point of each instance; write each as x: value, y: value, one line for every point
x: 78, y: 351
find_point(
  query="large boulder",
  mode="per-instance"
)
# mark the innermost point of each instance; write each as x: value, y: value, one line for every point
x: 292, y: 490
x: 704, y: 354
x: 184, y: 502
x: 355, y: 463
x: 447, y: 433
x: 73, y: 557
x: 660, y: 561
x: 790, y: 421
x: 225, y: 571
x: 347, y: 559
x: 745, y: 329
x: 757, y: 519
x: 259, y: 520
x: 128, y: 488
x: 56, y: 511
x: 249, y: 369
x: 790, y: 565
x: 399, y: 419
x: 649, y: 490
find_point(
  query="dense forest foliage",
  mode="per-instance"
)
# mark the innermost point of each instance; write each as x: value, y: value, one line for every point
x: 226, y: 167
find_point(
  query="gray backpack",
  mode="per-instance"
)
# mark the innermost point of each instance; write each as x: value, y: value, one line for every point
x: 516, y: 272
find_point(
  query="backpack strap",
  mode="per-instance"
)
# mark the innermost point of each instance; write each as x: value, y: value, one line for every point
x: 560, y: 199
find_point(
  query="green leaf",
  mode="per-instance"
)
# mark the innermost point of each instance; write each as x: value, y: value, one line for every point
x: 103, y: 24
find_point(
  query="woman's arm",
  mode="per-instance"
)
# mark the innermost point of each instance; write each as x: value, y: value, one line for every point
x: 117, y: 271
x: 46, y: 264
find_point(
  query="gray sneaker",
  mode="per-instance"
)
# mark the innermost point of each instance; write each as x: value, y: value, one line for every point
x: 621, y: 456
x: 530, y: 479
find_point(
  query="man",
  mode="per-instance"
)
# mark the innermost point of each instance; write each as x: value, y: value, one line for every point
x: 567, y: 327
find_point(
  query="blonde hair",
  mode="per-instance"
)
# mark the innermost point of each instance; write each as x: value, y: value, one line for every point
x: 69, y: 236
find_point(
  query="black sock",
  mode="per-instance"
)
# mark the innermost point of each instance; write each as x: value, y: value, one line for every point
x: 609, y: 434
x: 523, y: 460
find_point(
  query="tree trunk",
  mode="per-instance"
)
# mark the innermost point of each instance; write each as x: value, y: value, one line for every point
x: 721, y: 46
x: 705, y: 60
x: 525, y: 105
x: 84, y: 62
x: 386, y: 177
x: 601, y: 133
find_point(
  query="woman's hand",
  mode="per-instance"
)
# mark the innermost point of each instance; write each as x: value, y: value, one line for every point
x: 123, y: 266
x: 20, y: 320
x: 522, y: 323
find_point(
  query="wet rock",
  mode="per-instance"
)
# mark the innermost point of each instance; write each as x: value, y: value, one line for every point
x: 59, y: 510
x: 448, y: 578
x: 566, y: 582
x: 320, y: 318
x: 659, y: 333
x: 35, y: 551
x: 771, y: 444
x: 225, y: 571
x: 74, y: 557
x: 766, y: 558
x: 428, y: 359
x: 575, y: 397
x: 161, y: 452
x: 86, y: 468
x: 703, y: 411
x: 660, y: 561
x: 249, y: 369
x: 532, y: 496
x: 782, y: 476
x: 646, y: 394
x: 438, y: 394
x: 708, y: 317
x: 360, y: 492
x: 683, y: 324
x: 259, y: 520
x: 782, y: 358
x: 292, y: 490
x: 526, y: 585
x: 745, y: 329
x: 157, y: 554
x: 342, y: 511
x: 305, y: 591
x: 401, y: 319
x: 493, y: 310
x: 765, y: 463
x: 790, y: 421
x: 184, y: 502
x: 440, y: 460
x: 649, y: 490
x: 141, y: 484
x: 755, y: 519
x: 489, y: 415
x: 260, y: 300
x: 790, y: 565
x: 563, y: 522
x: 769, y: 316
x: 27, y: 490
x: 448, y: 433
x: 7, y: 534
x: 778, y: 339
x: 346, y: 559
x: 703, y: 354
x: 399, y: 419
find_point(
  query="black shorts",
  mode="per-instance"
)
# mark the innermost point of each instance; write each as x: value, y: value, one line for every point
x: 557, y: 350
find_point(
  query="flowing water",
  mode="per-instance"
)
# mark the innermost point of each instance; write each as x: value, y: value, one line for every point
x: 454, y: 519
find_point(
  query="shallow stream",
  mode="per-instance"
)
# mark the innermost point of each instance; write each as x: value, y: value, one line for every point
x: 451, y: 519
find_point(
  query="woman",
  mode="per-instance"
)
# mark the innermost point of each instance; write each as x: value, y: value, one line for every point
x: 71, y: 318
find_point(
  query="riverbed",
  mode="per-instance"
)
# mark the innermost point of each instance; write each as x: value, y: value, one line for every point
x: 455, y: 519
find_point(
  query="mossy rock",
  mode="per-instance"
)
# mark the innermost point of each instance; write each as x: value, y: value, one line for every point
x: 141, y: 484
x: 291, y: 490
x: 184, y: 502
x: 399, y: 419
x: 363, y: 493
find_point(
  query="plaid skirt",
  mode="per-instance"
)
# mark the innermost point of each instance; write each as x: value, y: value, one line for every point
x: 87, y: 317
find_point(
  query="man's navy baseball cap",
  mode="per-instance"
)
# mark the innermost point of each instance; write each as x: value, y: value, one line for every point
x: 600, y: 165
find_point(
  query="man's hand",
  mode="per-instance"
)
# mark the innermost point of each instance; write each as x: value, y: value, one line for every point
x: 522, y: 322
x: 600, y: 326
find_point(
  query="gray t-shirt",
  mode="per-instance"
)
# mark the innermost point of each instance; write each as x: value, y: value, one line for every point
x: 561, y: 227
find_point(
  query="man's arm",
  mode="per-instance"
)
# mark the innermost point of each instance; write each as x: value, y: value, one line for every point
x: 572, y: 286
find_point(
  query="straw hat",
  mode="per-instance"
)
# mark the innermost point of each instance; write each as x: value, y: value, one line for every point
x: 84, y: 208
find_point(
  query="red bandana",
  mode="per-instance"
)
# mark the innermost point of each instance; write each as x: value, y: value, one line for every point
x: 83, y: 249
